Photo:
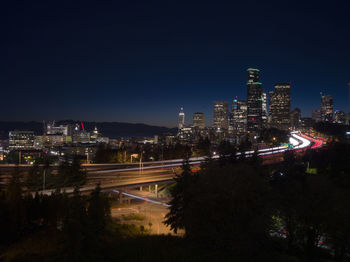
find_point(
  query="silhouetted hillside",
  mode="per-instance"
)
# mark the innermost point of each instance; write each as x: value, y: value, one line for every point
x: 109, y: 129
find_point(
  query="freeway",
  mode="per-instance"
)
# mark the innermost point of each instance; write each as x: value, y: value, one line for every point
x: 166, y: 171
x: 300, y: 142
x: 133, y: 177
x: 128, y: 177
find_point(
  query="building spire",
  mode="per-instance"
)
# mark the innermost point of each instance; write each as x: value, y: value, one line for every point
x: 181, y: 118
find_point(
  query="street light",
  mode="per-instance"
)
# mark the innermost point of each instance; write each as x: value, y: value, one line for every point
x: 273, y: 143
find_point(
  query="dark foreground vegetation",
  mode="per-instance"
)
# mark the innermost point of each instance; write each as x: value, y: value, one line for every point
x: 299, y: 208
x: 231, y: 210
x: 42, y: 175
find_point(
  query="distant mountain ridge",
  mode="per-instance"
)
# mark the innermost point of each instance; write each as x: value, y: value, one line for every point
x: 109, y: 129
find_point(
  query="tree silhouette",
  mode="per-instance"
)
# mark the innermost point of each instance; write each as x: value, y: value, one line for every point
x: 70, y: 174
x: 98, y: 215
x: 74, y: 228
x: 182, y: 195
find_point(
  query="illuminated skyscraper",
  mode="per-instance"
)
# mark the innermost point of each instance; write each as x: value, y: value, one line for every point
x: 181, y: 119
x: 254, y: 101
x: 238, y: 119
x: 221, y: 115
x: 327, y: 108
x: 198, y: 120
x: 264, y: 107
x: 280, y: 106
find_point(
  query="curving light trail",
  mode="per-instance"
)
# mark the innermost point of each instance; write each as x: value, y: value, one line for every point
x: 299, y: 142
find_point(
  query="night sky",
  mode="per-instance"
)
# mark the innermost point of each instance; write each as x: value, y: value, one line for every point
x: 132, y: 61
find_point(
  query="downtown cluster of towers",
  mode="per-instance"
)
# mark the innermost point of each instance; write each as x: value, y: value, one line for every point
x: 252, y: 114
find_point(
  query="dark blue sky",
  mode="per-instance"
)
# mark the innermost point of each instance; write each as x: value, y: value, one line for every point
x: 140, y: 61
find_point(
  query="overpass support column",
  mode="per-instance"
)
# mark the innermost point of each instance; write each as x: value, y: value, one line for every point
x: 156, y: 190
x: 166, y: 190
x: 120, y: 196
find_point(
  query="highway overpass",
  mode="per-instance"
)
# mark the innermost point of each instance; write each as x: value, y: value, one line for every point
x: 164, y: 171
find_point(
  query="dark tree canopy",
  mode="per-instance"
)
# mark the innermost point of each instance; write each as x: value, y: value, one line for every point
x: 245, y: 207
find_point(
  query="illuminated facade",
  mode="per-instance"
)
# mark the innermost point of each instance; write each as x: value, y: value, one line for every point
x: 198, y: 120
x: 21, y: 140
x: 221, y: 115
x: 238, y: 119
x: 339, y: 117
x: 185, y: 134
x: 51, y: 129
x: 264, y: 107
x: 327, y: 108
x: 280, y: 106
x: 254, y: 101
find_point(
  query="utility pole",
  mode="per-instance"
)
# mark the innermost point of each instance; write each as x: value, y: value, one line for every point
x: 141, y: 164
x: 162, y: 155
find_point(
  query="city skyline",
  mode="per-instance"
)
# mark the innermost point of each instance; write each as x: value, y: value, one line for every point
x: 175, y: 131
x: 139, y: 63
x: 207, y: 110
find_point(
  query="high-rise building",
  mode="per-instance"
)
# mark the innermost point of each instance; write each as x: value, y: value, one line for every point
x: 280, y: 106
x: 221, y: 115
x: 326, y: 108
x: 238, y: 119
x: 347, y: 119
x: 185, y: 134
x: 316, y: 115
x: 339, y: 117
x: 198, y: 120
x: 295, y: 119
x: 307, y: 122
x: 254, y: 101
x: 264, y: 107
x: 51, y: 129
x: 181, y: 119
x: 21, y: 140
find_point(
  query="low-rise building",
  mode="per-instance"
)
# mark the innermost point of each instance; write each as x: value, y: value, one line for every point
x: 21, y: 140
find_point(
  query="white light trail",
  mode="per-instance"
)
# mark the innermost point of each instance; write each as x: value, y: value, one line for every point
x: 142, y: 198
x: 294, y: 140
